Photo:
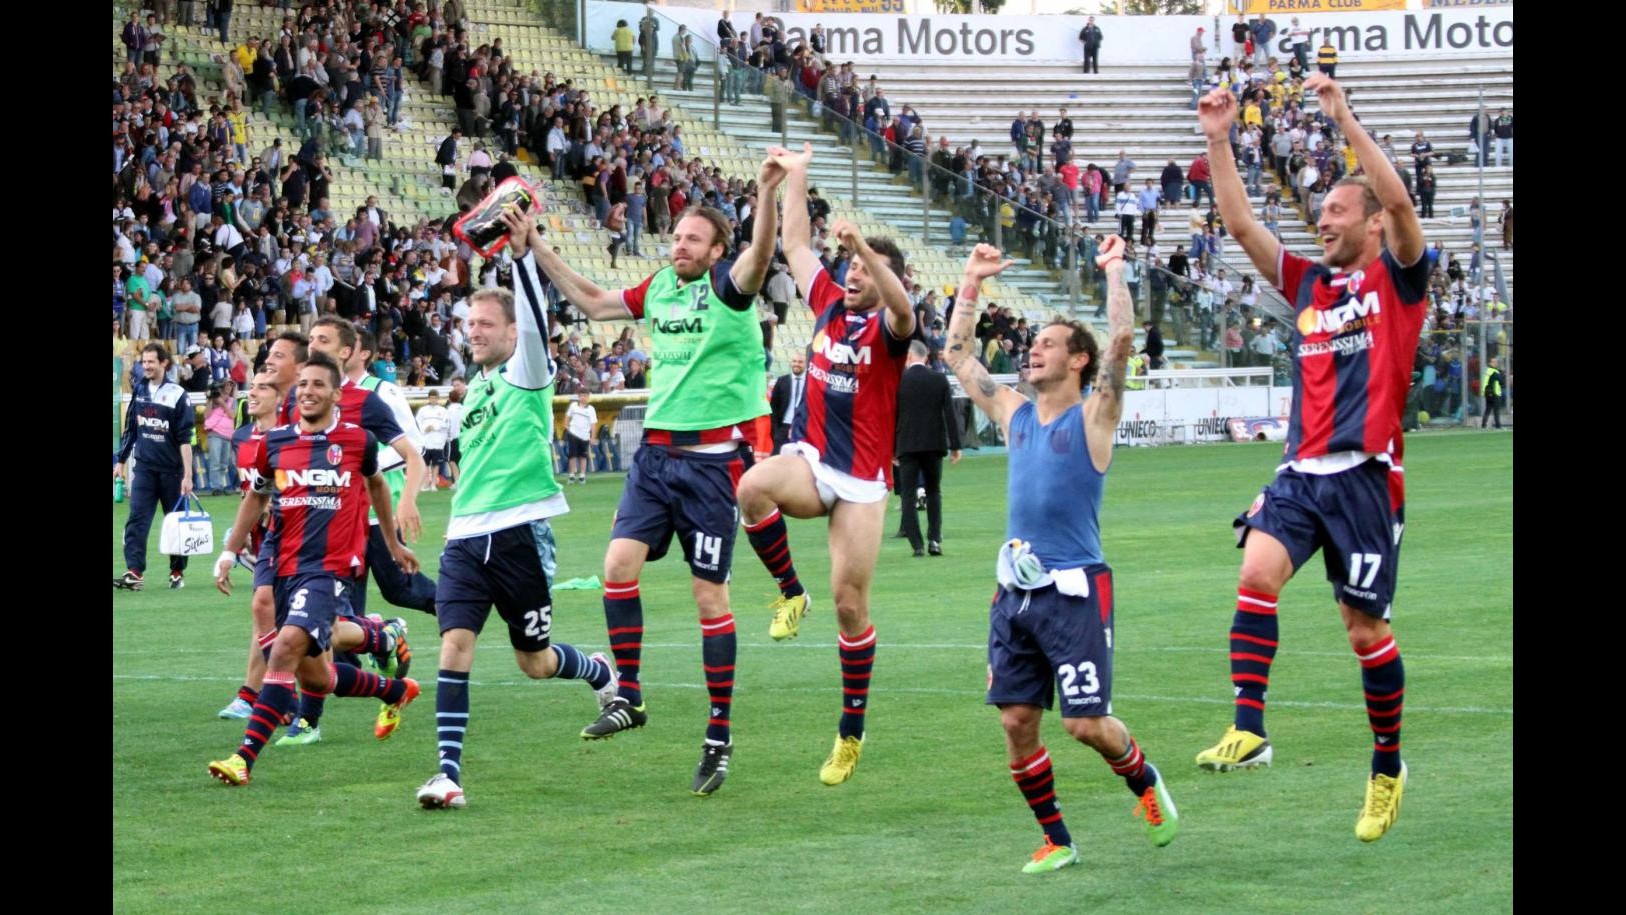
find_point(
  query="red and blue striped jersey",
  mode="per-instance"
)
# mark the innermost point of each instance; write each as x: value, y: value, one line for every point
x: 1353, y: 343
x: 850, y: 409
x: 319, y: 501
x: 245, y: 442
x: 356, y: 405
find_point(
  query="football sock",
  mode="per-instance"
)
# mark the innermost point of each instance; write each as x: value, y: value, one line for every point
x: 771, y: 540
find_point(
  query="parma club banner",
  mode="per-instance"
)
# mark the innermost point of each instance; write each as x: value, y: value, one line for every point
x: 1294, y: 7
x: 851, y: 6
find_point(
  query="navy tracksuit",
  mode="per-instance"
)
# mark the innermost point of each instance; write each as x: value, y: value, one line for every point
x: 158, y: 422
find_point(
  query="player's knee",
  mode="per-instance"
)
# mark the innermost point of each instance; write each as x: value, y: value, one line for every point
x: 538, y: 665
x: 622, y: 563
x: 710, y: 598
x: 752, y: 491
x: 1021, y: 724
x: 1263, y: 577
x: 851, y: 607
x: 1092, y: 732
x: 1364, y: 631
x: 457, y: 649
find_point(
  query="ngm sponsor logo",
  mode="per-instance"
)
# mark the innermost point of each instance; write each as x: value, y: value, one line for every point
x: 155, y: 423
x: 1353, y: 314
x: 841, y: 353
x: 318, y: 476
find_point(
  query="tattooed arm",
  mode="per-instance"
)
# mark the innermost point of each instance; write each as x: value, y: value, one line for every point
x: 997, y: 401
x: 1106, y: 404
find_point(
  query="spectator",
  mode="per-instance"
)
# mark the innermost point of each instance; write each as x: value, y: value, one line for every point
x: 1199, y: 50
x: 1121, y: 170
x: 1506, y: 220
x: 434, y: 422
x: 1263, y: 31
x: 624, y: 40
x: 1148, y: 200
x: 1090, y: 37
x: 1128, y: 207
x: 1300, y: 37
x: 1201, y: 180
x: 1502, y: 127
x: 1241, y: 36
x: 1426, y: 191
x: 1327, y: 58
x: 219, y: 426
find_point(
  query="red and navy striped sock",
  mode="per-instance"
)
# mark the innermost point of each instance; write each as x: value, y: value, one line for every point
x: 1133, y: 768
x: 717, y: 651
x: 857, y: 660
x: 624, y: 615
x: 350, y: 681
x: 248, y: 694
x: 276, y: 697
x: 452, y: 720
x: 1253, y: 647
x: 265, y: 641
x: 374, y: 638
x: 311, y: 702
x: 771, y: 540
x: 1383, y: 677
x: 1038, y: 784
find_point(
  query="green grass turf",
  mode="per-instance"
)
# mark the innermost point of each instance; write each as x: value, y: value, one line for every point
x: 931, y: 821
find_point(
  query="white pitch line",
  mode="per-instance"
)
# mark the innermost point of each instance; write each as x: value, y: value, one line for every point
x: 909, y: 646
x: 933, y: 691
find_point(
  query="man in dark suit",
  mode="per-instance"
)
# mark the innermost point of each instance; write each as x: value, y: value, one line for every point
x: 927, y: 428
x: 788, y: 391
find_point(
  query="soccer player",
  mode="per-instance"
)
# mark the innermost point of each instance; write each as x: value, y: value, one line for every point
x: 499, y: 545
x: 158, y: 433
x: 1052, y: 616
x: 263, y: 400
x: 838, y: 462
x: 286, y: 354
x: 336, y: 338
x: 323, y: 472
x: 707, y: 392
x: 404, y: 469
x: 1340, y: 487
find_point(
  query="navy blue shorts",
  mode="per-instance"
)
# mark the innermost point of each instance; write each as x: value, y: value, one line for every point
x: 1355, y: 518
x: 512, y: 569
x: 690, y: 494
x: 312, y: 602
x: 1043, y: 638
x: 265, y: 567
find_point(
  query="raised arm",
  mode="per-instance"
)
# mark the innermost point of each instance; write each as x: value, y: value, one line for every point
x: 998, y: 401
x: 595, y: 302
x: 1405, y: 232
x: 1216, y: 112
x: 900, y: 315
x: 1106, y: 405
x: 751, y: 267
x: 798, y: 231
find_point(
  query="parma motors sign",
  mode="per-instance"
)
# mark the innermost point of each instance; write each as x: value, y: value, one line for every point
x: 1355, y: 32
